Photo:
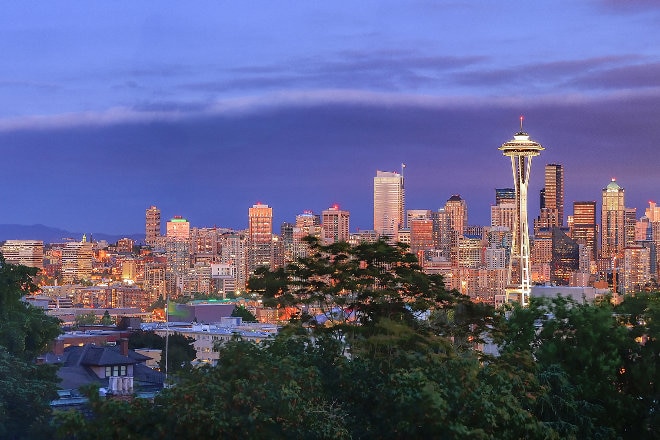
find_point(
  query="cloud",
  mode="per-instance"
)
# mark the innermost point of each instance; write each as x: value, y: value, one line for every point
x: 173, y: 111
x: 624, y: 77
x: 544, y: 74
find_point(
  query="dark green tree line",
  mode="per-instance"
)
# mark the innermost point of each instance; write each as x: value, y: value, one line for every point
x: 26, y: 388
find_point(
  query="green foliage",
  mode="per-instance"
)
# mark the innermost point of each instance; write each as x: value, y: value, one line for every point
x: 106, y: 319
x: 181, y: 349
x: 242, y: 312
x: 599, y: 376
x: 26, y: 388
x: 355, y: 287
x: 158, y: 304
x: 88, y: 318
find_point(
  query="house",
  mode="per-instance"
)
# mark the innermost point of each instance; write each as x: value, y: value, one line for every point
x: 115, y: 369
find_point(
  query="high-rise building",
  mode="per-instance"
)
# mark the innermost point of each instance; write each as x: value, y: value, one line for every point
x: 178, y: 253
x: 612, y: 221
x: 653, y: 215
x: 552, y: 198
x: 584, y: 228
x: 389, y: 202
x: 636, y: 270
x: 442, y: 232
x: 24, y: 252
x: 629, y: 223
x: 335, y: 224
x: 456, y: 207
x: 565, y: 257
x: 421, y: 236
x: 520, y: 149
x: 260, y: 237
x: 504, y: 196
x: 152, y: 221
x: 234, y: 249
x: 178, y: 228
x: 77, y: 258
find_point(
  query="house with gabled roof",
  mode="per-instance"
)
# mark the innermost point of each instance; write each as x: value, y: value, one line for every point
x: 115, y: 369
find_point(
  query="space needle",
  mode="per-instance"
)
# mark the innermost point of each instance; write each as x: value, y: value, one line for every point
x: 520, y: 149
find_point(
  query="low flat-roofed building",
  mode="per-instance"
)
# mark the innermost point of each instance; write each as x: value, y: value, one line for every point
x: 206, y: 336
x: 579, y: 294
x: 24, y: 252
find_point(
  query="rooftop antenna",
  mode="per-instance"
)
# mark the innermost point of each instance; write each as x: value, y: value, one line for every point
x: 521, y: 123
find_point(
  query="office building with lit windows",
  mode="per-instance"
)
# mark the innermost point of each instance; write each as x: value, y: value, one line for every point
x: 389, y: 202
x: 584, y: 229
x: 152, y: 226
x: 613, y: 215
x: 552, y: 198
x: 24, y: 252
x: 335, y: 224
x: 260, y: 237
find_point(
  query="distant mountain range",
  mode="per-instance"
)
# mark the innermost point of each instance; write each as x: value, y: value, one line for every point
x: 55, y: 235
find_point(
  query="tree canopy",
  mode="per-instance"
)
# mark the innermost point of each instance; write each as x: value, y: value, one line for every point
x: 181, y: 349
x: 378, y: 349
x: 26, y: 388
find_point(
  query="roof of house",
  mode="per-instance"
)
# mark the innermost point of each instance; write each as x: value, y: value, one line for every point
x: 77, y: 361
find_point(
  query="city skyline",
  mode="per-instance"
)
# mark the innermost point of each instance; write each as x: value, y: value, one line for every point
x: 204, y: 111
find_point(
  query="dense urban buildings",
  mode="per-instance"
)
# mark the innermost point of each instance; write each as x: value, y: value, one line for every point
x: 492, y: 263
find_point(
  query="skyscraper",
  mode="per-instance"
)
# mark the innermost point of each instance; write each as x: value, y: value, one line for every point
x: 458, y: 215
x: 421, y: 228
x: 520, y: 149
x: 389, y: 201
x: 552, y: 198
x: 77, y: 258
x: 335, y: 224
x: 152, y: 221
x: 260, y: 237
x: 505, y: 196
x: 612, y: 221
x: 177, y: 251
x: 584, y: 226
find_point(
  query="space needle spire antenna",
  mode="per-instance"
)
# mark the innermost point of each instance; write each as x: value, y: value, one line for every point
x: 521, y: 149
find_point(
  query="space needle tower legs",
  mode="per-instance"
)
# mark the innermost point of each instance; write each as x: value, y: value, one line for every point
x: 520, y: 149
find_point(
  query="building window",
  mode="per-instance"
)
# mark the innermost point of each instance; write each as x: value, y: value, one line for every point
x: 115, y: 370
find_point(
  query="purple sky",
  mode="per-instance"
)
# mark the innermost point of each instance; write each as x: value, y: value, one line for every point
x: 205, y: 108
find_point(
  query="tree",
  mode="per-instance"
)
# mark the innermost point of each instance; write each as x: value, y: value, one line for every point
x: 26, y: 388
x: 106, y: 319
x: 88, y: 318
x: 242, y: 312
x: 600, y: 378
x: 354, y: 287
x: 181, y: 349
